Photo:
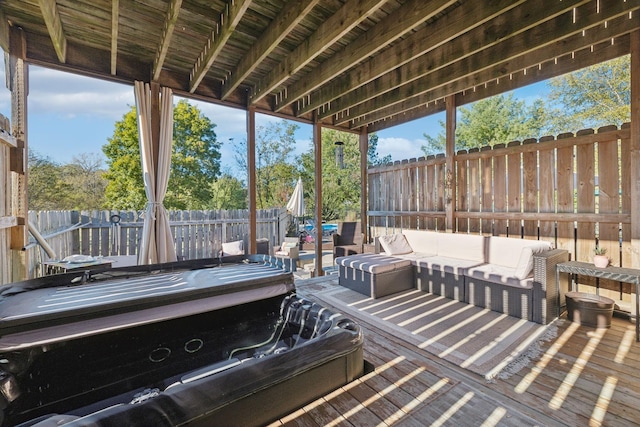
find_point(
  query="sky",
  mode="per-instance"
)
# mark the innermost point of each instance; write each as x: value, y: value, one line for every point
x: 71, y: 115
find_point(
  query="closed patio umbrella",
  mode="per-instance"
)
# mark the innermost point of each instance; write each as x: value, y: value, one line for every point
x: 296, y: 204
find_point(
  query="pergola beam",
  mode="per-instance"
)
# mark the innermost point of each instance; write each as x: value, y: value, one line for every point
x: 634, y: 140
x: 511, y: 24
x: 433, y: 102
x: 426, y: 39
x: 290, y: 16
x: 54, y: 26
x: 351, y: 14
x: 115, y: 22
x: 317, y: 148
x: 167, y: 33
x: 219, y: 37
x: 392, y: 27
x: 471, y: 89
x: 482, y: 67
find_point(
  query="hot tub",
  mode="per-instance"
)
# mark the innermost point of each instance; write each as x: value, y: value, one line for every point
x: 220, y: 345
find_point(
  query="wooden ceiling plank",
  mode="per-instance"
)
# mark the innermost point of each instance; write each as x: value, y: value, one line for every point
x: 223, y: 29
x: 509, y: 23
x: 538, y: 67
x: 543, y: 37
x: 291, y: 14
x: 565, y: 64
x: 167, y: 34
x: 351, y: 14
x: 115, y: 13
x: 51, y: 18
x: 393, y: 26
x: 459, y: 21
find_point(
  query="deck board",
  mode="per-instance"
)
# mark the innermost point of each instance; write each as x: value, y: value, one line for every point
x: 584, y: 376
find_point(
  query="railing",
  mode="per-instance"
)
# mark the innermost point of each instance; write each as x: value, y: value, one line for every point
x: 197, y: 234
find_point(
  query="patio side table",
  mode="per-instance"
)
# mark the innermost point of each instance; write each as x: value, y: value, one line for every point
x: 618, y: 274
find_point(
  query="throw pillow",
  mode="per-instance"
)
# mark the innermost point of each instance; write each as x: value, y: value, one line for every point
x: 232, y: 248
x: 395, y: 244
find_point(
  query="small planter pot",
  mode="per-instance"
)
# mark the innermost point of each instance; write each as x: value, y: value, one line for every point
x: 589, y: 309
x: 600, y: 261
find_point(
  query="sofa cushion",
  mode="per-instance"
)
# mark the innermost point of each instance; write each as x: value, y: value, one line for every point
x: 462, y: 246
x: 232, y: 248
x: 506, y: 251
x: 422, y: 241
x: 498, y: 274
x: 373, y: 263
x: 395, y: 244
x: 525, y: 262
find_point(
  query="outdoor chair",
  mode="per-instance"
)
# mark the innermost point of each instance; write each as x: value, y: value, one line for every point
x: 348, y: 240
x: 289, y: 249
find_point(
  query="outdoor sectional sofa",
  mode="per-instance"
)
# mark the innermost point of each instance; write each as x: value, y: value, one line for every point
x: 504, y: 274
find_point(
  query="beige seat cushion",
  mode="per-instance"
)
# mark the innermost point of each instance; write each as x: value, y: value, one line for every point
x: 373, y: 263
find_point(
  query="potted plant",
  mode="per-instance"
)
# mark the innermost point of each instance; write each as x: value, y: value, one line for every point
x: 600, y: 260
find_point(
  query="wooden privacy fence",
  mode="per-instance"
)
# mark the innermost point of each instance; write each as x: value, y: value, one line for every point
x: 197, y: 234
x: 573, y: 190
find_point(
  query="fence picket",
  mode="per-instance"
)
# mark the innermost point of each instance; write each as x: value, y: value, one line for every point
x: 196, y: 233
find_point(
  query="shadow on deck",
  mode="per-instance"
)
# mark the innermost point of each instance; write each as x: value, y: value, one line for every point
x: 584, y: 376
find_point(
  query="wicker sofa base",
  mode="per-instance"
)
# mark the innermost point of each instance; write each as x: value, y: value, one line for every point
x: 540, y: 303
x: 377, y: 285
x: 441, y: 283
x: 516, y: 302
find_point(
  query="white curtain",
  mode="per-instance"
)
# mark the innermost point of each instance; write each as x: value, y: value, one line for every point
x: 157, y: 245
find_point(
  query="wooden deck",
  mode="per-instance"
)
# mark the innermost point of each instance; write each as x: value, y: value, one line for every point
x: 584, y: 377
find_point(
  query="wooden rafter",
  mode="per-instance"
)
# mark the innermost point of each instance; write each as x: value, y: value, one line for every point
x: 393, y: 26
x: 459, y: 21
x: 392, y: 70
x: 351, y: 14
x: 219, y: 37
x: 54, y: 25
x: 115, y: 13
x: 458, y: 49
x: 495, y: 82
x: 167, y: 33
x: 292, y: 13
x: 556, y: 37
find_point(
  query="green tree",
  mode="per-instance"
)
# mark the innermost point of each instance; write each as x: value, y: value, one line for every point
x: 78, y: 185
x: 47, y: 187
x: 195, y: 162
x: 595, y: 96
x: 340, y: 187
x: 276, y: 172
x: 372, y: 154
x: 85, y: 175
x: 499, y: 119
x: 228, y: 193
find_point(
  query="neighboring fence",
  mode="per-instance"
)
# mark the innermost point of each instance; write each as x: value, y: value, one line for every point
x: 197, y: 234
x: 573, y: 190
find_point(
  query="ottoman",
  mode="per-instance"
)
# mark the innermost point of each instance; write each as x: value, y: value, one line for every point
x: 375, y: 275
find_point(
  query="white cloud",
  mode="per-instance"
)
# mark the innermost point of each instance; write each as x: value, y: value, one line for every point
x: 400, y: 148
x: 68, y: 95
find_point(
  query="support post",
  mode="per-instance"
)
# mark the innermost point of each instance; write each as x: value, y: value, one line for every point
x: 317, y: 145
x: 364, y: 185
x: 450, y: 170
x: 635, y: 149
x: 251, y: 179
x: 19, y: 86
